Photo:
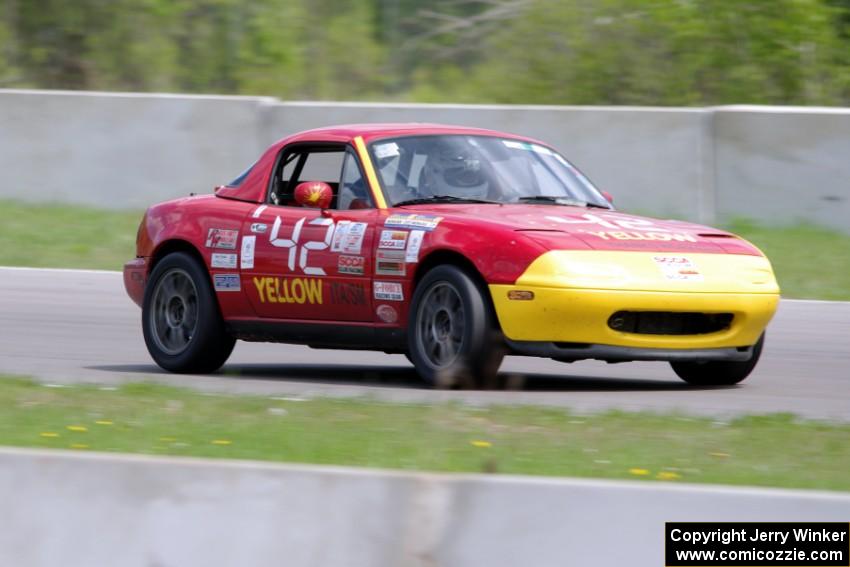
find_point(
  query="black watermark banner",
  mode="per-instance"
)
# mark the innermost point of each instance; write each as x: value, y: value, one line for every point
x: 757, y: 544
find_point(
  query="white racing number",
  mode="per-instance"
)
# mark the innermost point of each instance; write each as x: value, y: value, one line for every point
x: 292, y: 244
x: 628, y: 224
x: 316, y: 245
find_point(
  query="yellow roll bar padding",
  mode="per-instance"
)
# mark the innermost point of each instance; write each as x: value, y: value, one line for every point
x: 377, y: 194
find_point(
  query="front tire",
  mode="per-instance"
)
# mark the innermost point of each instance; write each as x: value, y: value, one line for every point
x: 453, y: 335
x: 718, y: 373
x: 181, y: 321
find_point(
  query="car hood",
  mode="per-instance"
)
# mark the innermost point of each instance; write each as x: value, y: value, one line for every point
x: 559, y: 227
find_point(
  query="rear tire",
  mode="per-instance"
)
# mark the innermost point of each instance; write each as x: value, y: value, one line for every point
x: 181, y: 321
x: 454, y: 340
x: 718, y: 373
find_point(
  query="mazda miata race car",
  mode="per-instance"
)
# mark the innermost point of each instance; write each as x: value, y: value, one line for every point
x: 453, y: 246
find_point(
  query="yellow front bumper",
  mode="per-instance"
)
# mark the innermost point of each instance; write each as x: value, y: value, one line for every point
x: 576, y: 292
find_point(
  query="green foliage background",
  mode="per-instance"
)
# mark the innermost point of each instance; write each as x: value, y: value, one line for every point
x: 643, y: 52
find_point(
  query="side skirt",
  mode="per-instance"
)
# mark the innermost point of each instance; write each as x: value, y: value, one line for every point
x: 333, y: 335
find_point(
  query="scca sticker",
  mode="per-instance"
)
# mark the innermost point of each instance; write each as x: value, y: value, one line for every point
x: 222, y: 238
x: 393, y: 239
x: 354, y: 265
x: 289, y: 290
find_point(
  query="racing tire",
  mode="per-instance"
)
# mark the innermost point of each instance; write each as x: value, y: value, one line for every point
x: 454, y: 341
x: 718, y: 373
x: 181, y: 321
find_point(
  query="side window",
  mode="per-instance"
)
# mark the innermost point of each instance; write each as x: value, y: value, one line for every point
x: 238, y: 181
x: 305, y: 163
x: 322, y: 166
x: 353, y: 191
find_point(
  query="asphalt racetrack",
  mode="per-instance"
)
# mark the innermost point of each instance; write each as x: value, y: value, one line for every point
x: 63, y: 326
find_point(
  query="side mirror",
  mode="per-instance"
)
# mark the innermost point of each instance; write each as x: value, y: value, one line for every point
x: 315, y: 194
x: 608, y: 197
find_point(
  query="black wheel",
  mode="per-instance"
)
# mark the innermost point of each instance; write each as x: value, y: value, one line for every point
x: 718, y: 373
x: 453, y: 337
x: 181, y: 321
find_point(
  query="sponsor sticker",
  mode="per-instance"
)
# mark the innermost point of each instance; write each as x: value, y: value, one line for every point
x: 226, y: 282
x: 414, y: 244
x: 515, y: 145
x: 393, y: 239
x: 223, y: 261
x: 387, y: 313
x: 353, y: 265
x: 528, y: 147
x: 678, y: 268
x: 222, y: 238
x: 388, y: 291
x: 343, y: 293
x: 421, y: 222
x: 289, y: 290
x: 348, y: 237
x: 389, y: 263
x: 259, y: 228
x: 388, y: 150
x: 249, y: 245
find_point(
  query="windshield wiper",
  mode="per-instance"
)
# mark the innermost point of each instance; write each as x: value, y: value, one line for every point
x: 552, y: 200
x: 444, y: 199
x: 549, y: 199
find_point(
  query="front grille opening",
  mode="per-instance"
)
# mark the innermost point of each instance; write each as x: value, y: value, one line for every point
x: 669, y: 323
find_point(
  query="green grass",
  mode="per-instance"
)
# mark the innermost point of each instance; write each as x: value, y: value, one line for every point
x: 65, y: 236
x: 810, y: 262
x: 776, y: 450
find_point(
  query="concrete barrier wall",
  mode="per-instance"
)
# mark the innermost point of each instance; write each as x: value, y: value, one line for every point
x: 80, y: 510
x: 784, y: 163
x: 776, y: 165
x: 123, y: 150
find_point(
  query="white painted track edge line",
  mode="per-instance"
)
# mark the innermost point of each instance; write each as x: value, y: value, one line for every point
x: 60, y: 270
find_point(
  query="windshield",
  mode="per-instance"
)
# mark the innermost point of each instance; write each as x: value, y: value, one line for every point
x: 478, y: 168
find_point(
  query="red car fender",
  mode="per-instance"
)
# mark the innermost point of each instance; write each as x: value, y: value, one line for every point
x: 188, y: 224
x: 499, y: 255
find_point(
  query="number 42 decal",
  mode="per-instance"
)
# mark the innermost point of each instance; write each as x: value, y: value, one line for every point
x: 292, y: 244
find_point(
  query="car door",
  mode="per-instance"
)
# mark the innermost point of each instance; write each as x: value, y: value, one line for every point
x: 302, y: 263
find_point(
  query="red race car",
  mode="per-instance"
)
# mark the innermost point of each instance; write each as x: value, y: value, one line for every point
x: 454, y: 246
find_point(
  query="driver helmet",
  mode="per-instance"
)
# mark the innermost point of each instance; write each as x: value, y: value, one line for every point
x: 454, y: 171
